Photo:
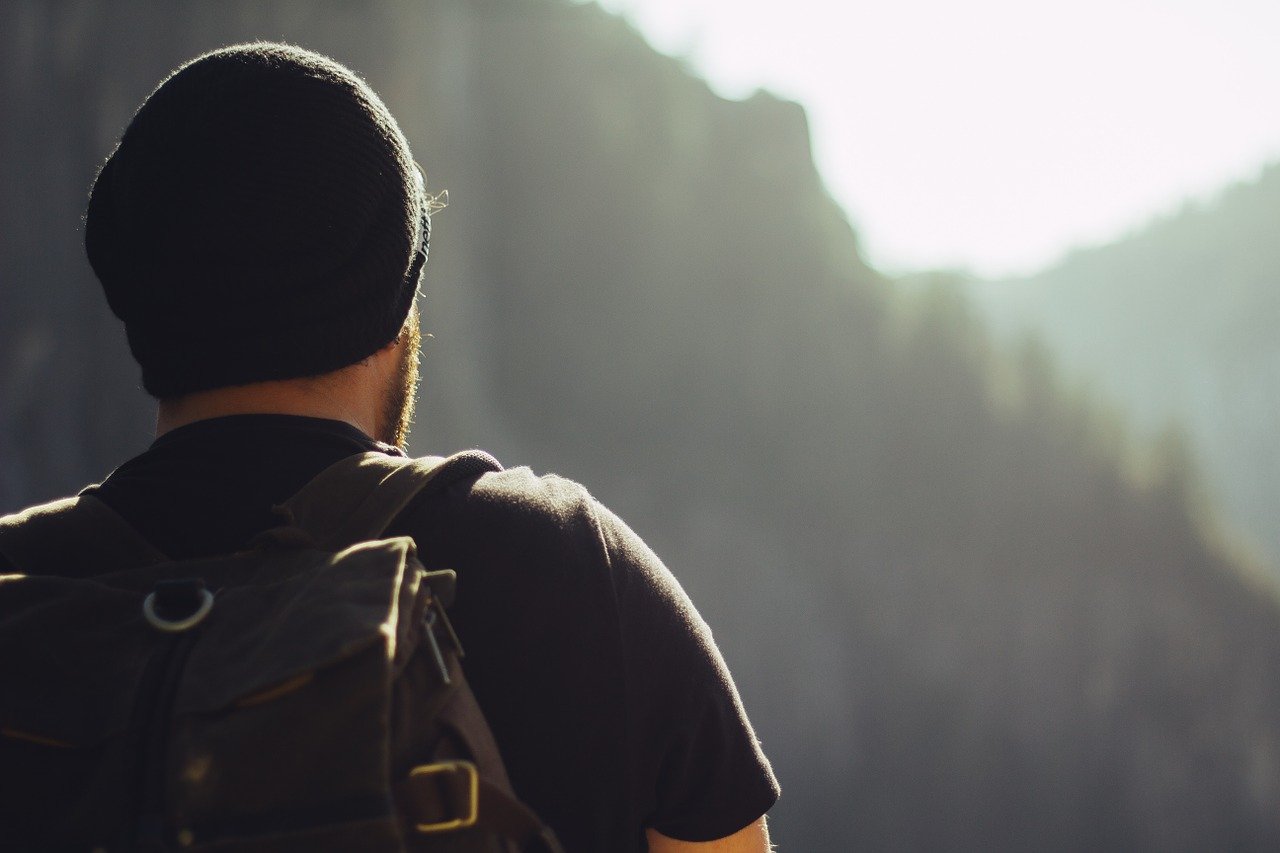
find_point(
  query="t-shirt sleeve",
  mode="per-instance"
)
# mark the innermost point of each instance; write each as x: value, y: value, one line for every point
x: 699, y: 771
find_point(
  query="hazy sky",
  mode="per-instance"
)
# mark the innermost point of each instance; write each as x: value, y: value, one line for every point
x: 995, y: 134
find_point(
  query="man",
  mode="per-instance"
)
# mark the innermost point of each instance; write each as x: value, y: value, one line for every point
x: 261, y: 229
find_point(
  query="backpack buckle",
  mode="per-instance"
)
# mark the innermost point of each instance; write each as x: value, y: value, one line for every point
x: 451, y: 787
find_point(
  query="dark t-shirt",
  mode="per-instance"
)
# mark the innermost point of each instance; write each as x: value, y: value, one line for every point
x: 604, y: 689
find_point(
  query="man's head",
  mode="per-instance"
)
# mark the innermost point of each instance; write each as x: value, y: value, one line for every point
x: 262, y: 219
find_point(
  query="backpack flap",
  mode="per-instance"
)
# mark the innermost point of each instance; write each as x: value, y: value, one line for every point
x: 326, y: 609
x: 284, y: 697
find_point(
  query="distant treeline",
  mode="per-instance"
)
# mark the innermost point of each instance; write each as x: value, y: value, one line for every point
x: 956, y: 622
x: 1179, y: 324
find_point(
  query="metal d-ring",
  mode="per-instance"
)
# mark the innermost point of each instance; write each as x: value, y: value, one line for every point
x: 175, y: 626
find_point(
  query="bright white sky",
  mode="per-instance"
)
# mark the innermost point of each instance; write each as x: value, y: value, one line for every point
x: 993, y: 135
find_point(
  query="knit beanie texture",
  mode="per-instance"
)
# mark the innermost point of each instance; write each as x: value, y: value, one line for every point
x: 262, y: 218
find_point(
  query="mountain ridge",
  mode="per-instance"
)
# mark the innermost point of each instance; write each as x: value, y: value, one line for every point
x: 1177, y: 320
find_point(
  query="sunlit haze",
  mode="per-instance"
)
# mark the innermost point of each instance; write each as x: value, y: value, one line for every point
x: 996, y: 134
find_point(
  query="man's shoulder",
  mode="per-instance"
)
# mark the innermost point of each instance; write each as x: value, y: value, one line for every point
x: 77, y: 536
x: 35, y: 523
x: 42, y: 513
x: 518, y: 493
x: 515, y: 510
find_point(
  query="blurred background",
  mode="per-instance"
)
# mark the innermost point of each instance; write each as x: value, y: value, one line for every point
x: 934, y: 346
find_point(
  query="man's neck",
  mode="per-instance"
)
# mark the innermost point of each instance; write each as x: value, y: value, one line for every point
x: 315, y: 398
x: 356, y: 394
x: 263, y: 398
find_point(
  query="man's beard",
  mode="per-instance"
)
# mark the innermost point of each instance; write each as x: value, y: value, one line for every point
x: 402, y: 395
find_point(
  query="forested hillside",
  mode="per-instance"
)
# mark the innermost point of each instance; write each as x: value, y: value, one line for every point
x: 1177, y: 324
x: 955, y: 621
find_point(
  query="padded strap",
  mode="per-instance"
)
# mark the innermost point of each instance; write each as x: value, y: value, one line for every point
x: 74, y: 537
x: 358, y: 498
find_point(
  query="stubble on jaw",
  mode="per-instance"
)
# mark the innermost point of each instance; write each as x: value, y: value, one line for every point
x: 402, y: 392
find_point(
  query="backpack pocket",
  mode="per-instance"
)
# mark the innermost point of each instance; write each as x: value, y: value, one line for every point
x: 281, y: 726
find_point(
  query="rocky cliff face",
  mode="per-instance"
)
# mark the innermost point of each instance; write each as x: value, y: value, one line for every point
x: 955, y: 622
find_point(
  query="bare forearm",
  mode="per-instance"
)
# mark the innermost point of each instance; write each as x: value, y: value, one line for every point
x: 750, y: 839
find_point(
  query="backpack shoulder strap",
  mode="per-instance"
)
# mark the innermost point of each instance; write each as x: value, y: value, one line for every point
x: 73, y: 537
x: 358, y: 497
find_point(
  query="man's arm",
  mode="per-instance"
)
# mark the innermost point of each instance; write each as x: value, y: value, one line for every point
x: 749, y: 839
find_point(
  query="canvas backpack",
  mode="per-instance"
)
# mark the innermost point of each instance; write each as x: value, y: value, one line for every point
x: 303, y: 694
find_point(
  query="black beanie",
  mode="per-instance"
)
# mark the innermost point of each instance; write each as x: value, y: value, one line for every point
x: 262, y: 218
